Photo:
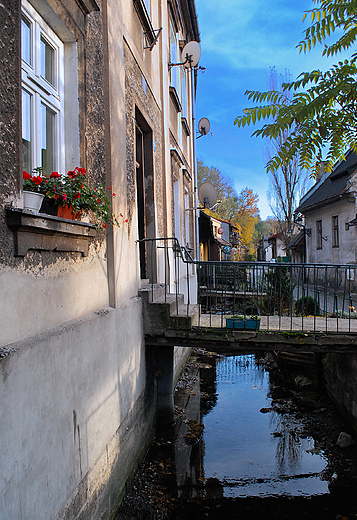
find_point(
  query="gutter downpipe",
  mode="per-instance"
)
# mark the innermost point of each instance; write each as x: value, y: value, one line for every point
x: 193, y: 96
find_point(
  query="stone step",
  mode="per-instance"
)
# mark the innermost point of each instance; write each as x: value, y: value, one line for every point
x: 172, y: 301
x: 151, y: 292
x: 184, y: 318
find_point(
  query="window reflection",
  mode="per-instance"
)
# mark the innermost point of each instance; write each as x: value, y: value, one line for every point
x: 26, y: 131
x: 47, y: 57
x: 26, y: 40
x: 48, y: 121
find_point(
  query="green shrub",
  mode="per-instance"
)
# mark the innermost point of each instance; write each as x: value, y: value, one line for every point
x: 307, y: 306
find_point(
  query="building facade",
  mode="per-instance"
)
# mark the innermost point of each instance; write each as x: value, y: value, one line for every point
x: 329, y: 210
x: 87, y: 83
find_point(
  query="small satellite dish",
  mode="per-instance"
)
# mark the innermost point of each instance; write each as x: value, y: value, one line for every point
x: 192, y: 53
x: 204, y: 126
x: 207, y: 195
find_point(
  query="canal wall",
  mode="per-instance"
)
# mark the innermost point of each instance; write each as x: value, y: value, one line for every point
x: 78, y: 411
x: 340, y: 371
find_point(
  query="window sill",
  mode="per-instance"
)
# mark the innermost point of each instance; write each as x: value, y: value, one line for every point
x: 185, y: 126
x: 175, y: 99
x: 40, y: 231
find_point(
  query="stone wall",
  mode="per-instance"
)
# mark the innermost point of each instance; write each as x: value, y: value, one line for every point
x: 340, y: 372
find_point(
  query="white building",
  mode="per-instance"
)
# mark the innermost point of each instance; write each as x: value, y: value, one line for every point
x: 77, y: 388
x: 329, y: 208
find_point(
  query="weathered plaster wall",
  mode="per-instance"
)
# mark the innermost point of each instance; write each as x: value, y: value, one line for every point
x: 77, y: 411
x: 69, y: 397
x: 35, y: 298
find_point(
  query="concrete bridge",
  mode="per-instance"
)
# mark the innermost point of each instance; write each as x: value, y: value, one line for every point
x: 170, y: 323
x: 301, y: 308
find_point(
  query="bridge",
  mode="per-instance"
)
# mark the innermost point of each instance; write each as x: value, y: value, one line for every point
x: 243, y: 307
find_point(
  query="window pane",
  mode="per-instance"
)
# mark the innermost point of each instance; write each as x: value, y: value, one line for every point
x: 183, y: 97
x: 26, y: 131
x: 48, y: 131
x: 147, y: 5
x: 47, y: 60
x: 26, y: 40
x: 173, y: 56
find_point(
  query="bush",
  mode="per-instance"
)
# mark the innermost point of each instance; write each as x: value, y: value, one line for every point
x: 307, y: 306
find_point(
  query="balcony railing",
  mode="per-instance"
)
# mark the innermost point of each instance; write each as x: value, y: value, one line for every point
x: 281, y: 296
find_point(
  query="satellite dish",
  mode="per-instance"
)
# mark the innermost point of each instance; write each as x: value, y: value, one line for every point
x: 204, y: 126
x: 207, y: 195
x: 192, y: 53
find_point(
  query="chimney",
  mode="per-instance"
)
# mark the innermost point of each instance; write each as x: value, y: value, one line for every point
x: 320, y: 171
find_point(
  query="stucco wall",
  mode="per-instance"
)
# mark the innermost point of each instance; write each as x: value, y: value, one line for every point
x: 64, y: 395
x: 346, y: 252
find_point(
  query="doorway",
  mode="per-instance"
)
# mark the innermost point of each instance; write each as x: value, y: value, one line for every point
x: 145, y: 196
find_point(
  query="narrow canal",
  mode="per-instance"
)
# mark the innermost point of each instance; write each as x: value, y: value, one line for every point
x: 249, y: 444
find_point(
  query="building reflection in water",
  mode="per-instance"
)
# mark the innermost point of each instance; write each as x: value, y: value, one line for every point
x: 199, y: 399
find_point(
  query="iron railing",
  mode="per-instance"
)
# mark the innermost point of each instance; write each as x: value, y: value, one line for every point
x: 282, y: 296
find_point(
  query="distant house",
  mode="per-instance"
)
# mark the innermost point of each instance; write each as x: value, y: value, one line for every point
x: 297, y: 248
x: 275, y: 247
x: 329, y: 210
x: 216, y: 235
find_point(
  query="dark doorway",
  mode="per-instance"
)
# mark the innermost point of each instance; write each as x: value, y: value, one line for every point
x: 145, y: 196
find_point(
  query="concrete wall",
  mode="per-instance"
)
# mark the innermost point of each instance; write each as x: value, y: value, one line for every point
x: 69, y: 396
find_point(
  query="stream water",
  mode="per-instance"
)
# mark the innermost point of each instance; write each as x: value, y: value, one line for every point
x: 246, y: 444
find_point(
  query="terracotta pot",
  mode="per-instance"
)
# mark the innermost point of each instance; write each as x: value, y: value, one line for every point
x: 32, y: 200
x: 66, y: 212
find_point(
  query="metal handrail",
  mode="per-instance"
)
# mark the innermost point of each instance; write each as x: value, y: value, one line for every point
x: 285, y: 296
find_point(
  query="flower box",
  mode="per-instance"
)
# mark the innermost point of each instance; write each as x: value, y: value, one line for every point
x: 243, y: 323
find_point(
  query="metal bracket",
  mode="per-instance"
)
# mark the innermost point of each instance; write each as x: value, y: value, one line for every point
x: 157, y: 34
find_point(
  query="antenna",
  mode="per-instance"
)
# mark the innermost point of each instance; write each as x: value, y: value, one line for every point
x: 190, y: 55
x: 204, y: 126
x: 207, y: 195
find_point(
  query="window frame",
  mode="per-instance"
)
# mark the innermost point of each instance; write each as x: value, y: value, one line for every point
x: 318, y: 234
x: 42, y: 91
x: 335, y: 232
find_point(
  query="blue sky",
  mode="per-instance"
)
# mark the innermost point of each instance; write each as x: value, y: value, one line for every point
x: 240, y: 41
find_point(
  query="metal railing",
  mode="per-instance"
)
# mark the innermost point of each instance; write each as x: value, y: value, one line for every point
x: 281, y: 296
x: 170, y: 267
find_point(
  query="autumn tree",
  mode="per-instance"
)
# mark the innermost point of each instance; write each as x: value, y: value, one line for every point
x: 267, y: 227
x: 321, y: 114
x: 239, y: 209
x: 247, y: 215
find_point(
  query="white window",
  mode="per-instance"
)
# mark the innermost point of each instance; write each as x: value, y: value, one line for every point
x: 187, y: 218
x: 174, y: 54
x: 42, y: 55
x: 183, y: 92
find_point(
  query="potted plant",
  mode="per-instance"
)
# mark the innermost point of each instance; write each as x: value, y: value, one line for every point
x: 72, y: 197
x: 32, y: 192
x: 243, y: 322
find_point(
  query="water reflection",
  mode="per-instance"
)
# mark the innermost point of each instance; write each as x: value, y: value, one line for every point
x: 252, y: 445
